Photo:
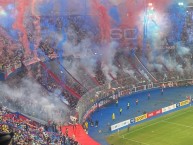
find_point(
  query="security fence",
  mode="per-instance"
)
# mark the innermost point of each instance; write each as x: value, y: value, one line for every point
x: 109, y: 92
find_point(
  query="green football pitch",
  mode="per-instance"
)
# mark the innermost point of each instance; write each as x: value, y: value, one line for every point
x: 172, y: 129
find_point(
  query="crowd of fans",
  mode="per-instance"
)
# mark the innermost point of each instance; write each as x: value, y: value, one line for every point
x: 29, y: 132
x: 11, y: 52
x: 19, y: 94
x: 49, y: 83
x: 29, y: 107
x: 175, y: 47
x: 49, y: 48
x: 11, y: 59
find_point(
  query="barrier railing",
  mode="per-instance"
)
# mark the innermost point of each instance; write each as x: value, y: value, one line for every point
x: 106, y: 93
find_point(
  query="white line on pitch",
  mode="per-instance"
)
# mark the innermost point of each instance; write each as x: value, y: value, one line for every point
x: 134, y: 141
x: 155, y: 123
x: 177, y: 124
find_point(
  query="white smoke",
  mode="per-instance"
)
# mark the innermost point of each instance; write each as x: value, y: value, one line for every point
x: 144, y: 74
x: 181, y: 50
x: 131, y: 73
x: 83, y: 56
x: 108, y: 58
x: 29, y: 98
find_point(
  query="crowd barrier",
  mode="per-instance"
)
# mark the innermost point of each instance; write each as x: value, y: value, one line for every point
x: 101, y: 95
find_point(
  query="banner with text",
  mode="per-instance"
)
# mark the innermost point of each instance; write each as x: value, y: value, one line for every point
x: 186, y: 102
x: 140, y: 118
x: 154, y: 113
x: 169, y: 108
x: 120, y: 125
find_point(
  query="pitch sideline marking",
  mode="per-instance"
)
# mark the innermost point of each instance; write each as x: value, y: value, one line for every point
x: 177, y: 124
x: 156, y: 123
x: 134, y: 141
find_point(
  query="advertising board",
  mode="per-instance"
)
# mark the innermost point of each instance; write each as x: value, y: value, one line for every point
x: 169, y: 108
x: 120, y: 125
x: 154, y: 113
x: 186, y: 102
x: 140, y: 118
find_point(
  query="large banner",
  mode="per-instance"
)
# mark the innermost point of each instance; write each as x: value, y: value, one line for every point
x: 140, y: 88
x: 92, y: 109
x: 8, y: 71
x: 103, y: 102
x: 107, y: 100
x: 100, y: 104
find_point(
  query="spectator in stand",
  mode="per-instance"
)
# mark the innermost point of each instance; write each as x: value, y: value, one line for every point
x: 66, y: 132
x: 35, y: 135
x: 54, y: 127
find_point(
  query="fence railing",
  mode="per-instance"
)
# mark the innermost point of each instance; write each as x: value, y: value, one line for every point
x: 108, y: 92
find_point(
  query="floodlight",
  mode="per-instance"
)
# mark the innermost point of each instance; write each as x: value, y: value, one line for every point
x: 150, y: 4
x: 180, y: 3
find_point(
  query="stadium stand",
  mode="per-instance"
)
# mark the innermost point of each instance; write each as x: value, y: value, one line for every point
x: 80, y: 88
x: 27, y: 131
